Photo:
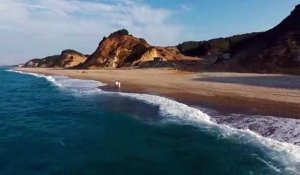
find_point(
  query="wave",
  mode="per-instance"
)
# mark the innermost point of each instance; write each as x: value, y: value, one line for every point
x: 78, y: 86
x: 75, y: 85
x: 286, y: 153
x: 184, y: 114
x: 49, y: 78
x: 281, y: 129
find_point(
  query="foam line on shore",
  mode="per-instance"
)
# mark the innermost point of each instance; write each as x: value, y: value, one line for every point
x: 49, y: 78
x: 64, y: 82
x: 281, y: 129
x: 184, y: 114
x: 286, y: 153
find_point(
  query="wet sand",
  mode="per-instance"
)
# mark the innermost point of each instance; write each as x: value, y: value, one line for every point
x: 262, y: 94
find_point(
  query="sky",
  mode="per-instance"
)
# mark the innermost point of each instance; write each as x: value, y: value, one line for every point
x: 39, y: 28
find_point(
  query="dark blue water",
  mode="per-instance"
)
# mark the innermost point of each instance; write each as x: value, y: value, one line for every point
x: 47, y: 129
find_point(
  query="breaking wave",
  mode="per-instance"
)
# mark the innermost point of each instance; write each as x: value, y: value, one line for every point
x: 286, y: 153
x: 78, y: 86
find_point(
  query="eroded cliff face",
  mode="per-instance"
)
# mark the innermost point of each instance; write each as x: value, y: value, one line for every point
x: 212, y: 47
x: 117, y: 50
x: 32, y: 63
x: 276, y: 50
x: 120, y: 49
x: 71, y: 58
x: 67, y: 59
x: 149, y: 55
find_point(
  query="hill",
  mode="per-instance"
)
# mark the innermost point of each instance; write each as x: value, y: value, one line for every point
x: 276, y: 50
x: 67, y: 59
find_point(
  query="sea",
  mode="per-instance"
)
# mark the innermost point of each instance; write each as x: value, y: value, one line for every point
x: 56, y: 125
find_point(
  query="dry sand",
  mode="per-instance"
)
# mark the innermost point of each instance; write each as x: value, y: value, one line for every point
x: 266, y: 94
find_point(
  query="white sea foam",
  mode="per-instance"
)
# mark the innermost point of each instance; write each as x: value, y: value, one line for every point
x: 281, y: 129
x: 76, y: 85
x: 288, y: 154
x: 49, y: 78
x: 170, y: 108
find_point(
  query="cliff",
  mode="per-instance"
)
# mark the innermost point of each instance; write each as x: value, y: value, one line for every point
x: 71, y: 58
x: 212, y: 47
x: 276, y: 50
x: 32, y: 63
x: 117, y: 50
x: 67, y: 59
x: 120, y: 49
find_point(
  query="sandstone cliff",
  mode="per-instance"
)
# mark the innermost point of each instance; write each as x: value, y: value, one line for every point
x: 70, y: 58
x: 67, y: 59
x: 120, y: 49
x: 117, y: 50
x: 276, y: 50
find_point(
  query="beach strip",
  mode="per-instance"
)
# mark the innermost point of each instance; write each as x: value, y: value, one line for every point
x: 262, y: 94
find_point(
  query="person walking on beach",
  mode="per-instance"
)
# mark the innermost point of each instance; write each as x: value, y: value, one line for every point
x: 118, y: 84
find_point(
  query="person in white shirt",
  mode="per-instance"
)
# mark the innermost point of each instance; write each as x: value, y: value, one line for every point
x: 118, y: 84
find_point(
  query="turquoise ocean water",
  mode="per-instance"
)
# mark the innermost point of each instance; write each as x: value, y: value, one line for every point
x: 58, y: 125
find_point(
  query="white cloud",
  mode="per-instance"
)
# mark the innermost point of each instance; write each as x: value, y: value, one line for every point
x: 31, y: 28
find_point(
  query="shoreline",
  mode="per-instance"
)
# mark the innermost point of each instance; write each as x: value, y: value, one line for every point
x: 225, y: 97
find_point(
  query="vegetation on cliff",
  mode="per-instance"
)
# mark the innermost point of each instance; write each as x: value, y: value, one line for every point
x: 276, y: 50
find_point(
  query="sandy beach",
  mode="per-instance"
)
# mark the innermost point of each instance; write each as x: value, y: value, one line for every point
x: 265, y: 94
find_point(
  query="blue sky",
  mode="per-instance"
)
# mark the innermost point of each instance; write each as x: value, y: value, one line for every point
x: 37, y: 28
